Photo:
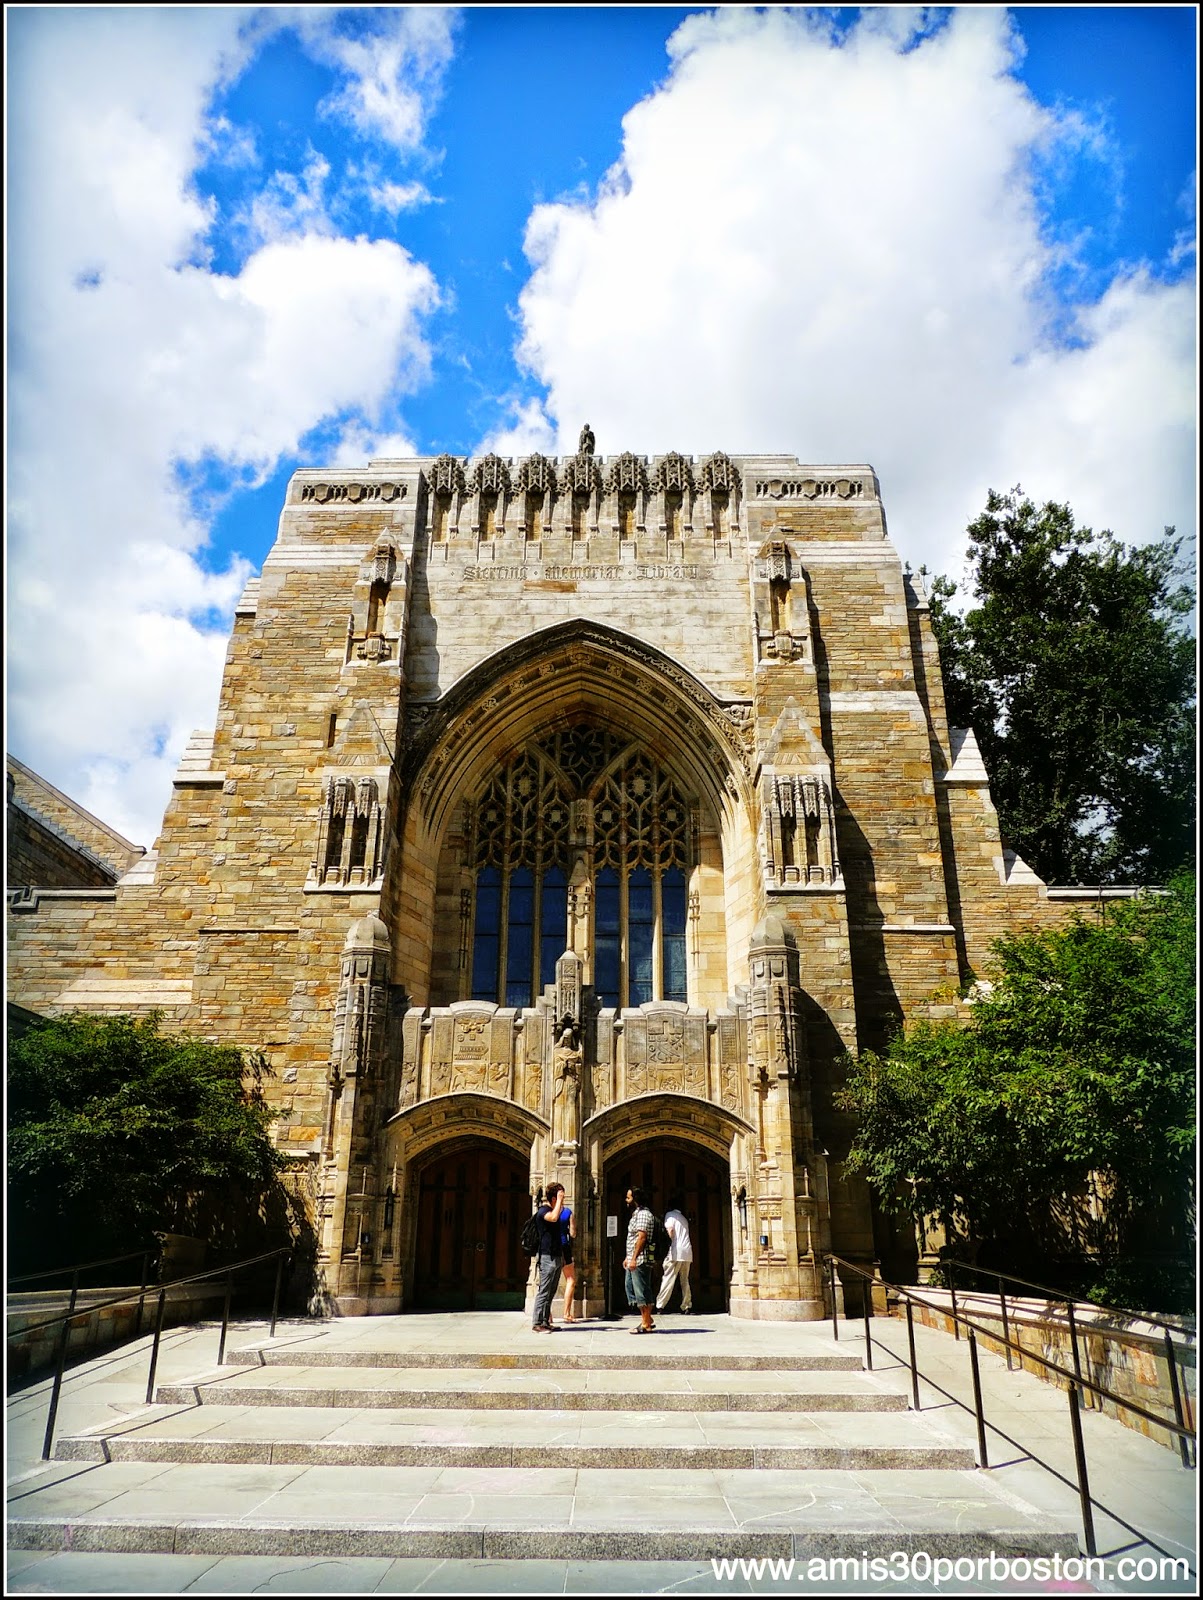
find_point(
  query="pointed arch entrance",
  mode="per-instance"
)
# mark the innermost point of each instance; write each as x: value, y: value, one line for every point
x: 472, y: 1202
x: 671, y: 1170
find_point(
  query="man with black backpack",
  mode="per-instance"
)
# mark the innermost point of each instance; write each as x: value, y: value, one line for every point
x: 547, y: 1235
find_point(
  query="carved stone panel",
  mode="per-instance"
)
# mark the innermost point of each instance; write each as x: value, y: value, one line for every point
x: 635, y: 1042
x: 732, y: 1063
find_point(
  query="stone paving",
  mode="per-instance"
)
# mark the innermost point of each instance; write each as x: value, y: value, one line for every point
x: 166, y: 1518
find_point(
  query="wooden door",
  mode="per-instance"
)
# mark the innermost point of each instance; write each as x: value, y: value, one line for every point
x: 471, y: 1208
x: 666, y: 1169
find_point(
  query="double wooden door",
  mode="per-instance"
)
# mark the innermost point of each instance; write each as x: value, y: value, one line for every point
x: 471, y: 1208
x: 667, y: 1170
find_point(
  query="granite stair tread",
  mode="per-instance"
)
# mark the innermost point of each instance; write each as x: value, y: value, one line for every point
x: 650, y: 1437
x: 581, y: 1388
x: 526, y: 1512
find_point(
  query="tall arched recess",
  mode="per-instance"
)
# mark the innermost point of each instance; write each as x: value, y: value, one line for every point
x: 577, y: 774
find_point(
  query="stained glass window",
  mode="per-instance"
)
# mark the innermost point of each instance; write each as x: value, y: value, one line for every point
x: 630, y: 843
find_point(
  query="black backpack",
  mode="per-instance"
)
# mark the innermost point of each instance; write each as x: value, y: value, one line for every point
x: 531, y: 1235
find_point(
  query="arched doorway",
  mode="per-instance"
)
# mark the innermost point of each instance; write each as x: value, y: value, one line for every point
x: 472, y: 1203
x: 668, y: 1168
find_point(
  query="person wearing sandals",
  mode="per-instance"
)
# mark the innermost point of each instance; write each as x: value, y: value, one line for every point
x: 567, y: 1235
x: 550, y: 1257
x: 638, y: 1261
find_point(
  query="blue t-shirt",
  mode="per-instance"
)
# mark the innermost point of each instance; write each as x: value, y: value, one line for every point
x: 565, y: 1236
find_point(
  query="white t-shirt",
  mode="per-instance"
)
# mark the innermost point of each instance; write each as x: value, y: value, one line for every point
x: 678, y: 1232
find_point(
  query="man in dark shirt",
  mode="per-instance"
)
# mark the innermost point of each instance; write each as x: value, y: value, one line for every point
x: 550, y: 1257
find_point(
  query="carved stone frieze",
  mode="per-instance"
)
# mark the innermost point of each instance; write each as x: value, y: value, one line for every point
x: 351, y: 493
x: 809, y: 489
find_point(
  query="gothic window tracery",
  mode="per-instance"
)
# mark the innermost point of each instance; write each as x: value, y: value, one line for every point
x: 584, y: 839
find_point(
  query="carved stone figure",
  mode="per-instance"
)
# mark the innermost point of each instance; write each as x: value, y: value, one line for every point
x: 568, y: 1062
x: 587, y: 443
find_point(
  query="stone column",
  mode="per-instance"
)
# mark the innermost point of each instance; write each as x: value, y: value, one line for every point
x: 355, y: 1080
x: 786, y: 1194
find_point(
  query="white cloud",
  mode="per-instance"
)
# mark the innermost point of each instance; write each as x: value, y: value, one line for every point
x: 836, y: 250
x: 397, y: 197
x: 530, y: 429
x: 391, y: 60
x: 130, y: 356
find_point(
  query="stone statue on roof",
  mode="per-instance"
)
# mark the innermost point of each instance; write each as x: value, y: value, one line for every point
x: 587, y: 443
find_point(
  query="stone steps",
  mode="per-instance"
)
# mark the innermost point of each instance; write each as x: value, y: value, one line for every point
x: 516, y: 1400
x: 377, y: 1441
x: 571, y: 1389
x: 537, y: 1361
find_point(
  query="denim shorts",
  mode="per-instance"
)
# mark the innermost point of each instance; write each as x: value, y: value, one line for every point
x: 639, y: 1285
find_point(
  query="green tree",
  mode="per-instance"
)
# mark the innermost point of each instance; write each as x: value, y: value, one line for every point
x: 1076, y: 1066
x: 115, y: 1127
x: 1074, y: 667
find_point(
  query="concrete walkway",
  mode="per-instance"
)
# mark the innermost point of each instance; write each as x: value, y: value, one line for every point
x: 411, y: 1370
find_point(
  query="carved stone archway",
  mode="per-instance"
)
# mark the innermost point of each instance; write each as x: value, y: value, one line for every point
x: 678, y: 1120
x: 437, y: 1128
x: 554, y: 680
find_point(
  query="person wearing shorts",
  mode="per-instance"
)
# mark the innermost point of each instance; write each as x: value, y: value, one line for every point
x: 638, y: 1261
x: 567, y: 1235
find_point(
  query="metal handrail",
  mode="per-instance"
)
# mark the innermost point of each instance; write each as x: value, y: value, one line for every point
x: 68, y: 1317
x: 1074, y: 1381
x: 1181, y: 1406
x: 86, y: 1266
x: 1074, y: 1299
x: 79, y: 1266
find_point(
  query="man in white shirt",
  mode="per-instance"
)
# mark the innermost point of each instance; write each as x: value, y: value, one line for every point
x: 680, y: 1256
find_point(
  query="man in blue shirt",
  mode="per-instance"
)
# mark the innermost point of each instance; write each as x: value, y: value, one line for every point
x: 550, y: 1257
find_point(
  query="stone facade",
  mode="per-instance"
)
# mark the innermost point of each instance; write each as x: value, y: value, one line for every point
x: 562, y: 819
x: 54, y: 843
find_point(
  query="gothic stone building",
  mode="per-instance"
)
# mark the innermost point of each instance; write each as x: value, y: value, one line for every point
x: 563, y: 819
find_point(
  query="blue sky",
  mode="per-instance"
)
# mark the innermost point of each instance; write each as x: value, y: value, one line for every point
x: 958, y: 244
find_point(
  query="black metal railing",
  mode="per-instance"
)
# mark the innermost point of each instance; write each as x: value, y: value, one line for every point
x: 66, y: 1318
x: 1075, y: 1382
x: 78, y: 1267
x: 1071, y: 1303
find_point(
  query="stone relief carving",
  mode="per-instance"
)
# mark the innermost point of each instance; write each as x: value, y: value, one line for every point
x: 537, y: 475
x: 798, y: 833
x: 719, y: 473
x: 809, y: 489
x: 353, y: 493
x: 627, y: 475
x: 580, y: 474
x: 675, y: 474
x: 446, y: 475
x: 492, y: 476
